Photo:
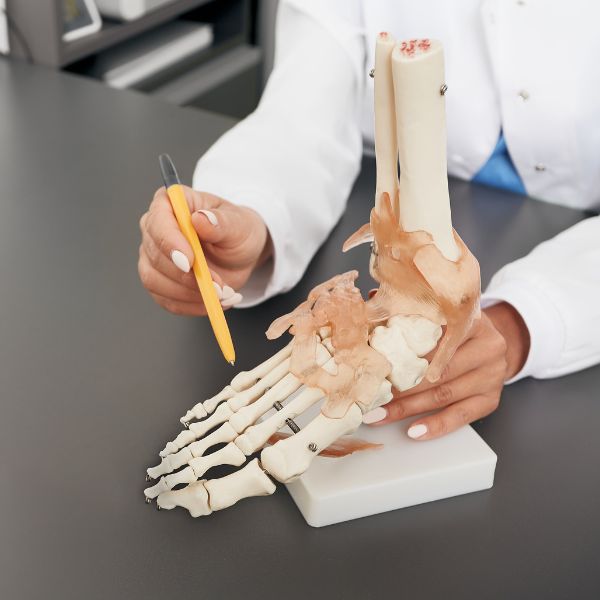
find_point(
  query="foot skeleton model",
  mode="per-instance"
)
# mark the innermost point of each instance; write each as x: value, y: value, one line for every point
x: 346, y: 353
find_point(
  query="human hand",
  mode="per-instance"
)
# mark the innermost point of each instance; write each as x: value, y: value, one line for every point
x: 234, y: 238
x: 472, y: 382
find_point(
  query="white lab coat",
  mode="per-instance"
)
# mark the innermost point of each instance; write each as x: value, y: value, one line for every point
x: 528, y: 66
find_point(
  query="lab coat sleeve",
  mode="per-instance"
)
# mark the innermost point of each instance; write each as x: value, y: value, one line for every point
x: 295, y: 158
x: 556, y: 289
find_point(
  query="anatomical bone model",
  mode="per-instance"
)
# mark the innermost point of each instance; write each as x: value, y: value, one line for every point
x: 346, y: 353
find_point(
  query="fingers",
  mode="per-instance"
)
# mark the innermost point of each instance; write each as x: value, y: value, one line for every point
x: 466, y: 358
x: 227, y: 226
x: 453, y: 417
x: 176, y: 307
x: 435, y: 398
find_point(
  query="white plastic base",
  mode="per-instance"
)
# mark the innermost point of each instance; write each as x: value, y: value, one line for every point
x: 402, y: 473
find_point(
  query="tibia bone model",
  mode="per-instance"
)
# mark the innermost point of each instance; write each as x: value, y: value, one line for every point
x: 347, y: 354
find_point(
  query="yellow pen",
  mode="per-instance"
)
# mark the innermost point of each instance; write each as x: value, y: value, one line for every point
x: 200, y: 267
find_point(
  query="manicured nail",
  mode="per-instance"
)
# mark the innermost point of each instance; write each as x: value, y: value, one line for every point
x: 212, y: 218
x: 234, y: 299
x: 180, y: 260
x: 375, y: 415
x: 227, y: 292
x: 218, y: 290
x: 417, y: 431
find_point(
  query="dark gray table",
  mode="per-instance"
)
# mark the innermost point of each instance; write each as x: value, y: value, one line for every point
x: 93, y: 377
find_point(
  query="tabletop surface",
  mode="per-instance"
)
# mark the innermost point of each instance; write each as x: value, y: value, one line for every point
x: 94, y: 377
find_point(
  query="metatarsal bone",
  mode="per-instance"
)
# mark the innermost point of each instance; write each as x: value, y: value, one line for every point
x: 288, y: 385
x: 256, y: 437
x: 244, y: 379
x: 194, y: 497
x: 289, y: 458
x: 246, y: 397
x: 247, y: 482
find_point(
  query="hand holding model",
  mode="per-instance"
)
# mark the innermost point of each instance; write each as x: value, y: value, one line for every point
x: 235, y: 240
x: 470, y: 386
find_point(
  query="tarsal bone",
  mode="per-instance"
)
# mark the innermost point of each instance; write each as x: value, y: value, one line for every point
x: 289, y: 458
x: 390, y: 341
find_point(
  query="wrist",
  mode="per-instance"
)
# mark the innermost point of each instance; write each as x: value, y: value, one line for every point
x: 509, y: 323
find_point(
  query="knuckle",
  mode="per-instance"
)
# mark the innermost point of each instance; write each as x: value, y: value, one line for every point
x: 143, y: 220
x: 172, y: 307
x: 145, y: 273
x: 465, y: 416
x: 442, y: 395
x: 499, y: 344
x: 397, y: 410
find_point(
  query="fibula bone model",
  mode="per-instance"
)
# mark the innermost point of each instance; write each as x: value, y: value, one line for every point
x: 346, y: 353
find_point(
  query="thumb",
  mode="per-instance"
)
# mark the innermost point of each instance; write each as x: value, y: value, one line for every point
x: 225, y: 226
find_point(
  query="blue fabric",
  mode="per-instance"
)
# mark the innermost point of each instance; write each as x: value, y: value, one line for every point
x: 499, y: 170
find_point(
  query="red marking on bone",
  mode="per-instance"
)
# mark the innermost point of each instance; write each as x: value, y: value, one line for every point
x: 341, y: 447
x: 383, y: 34
x: 412, y: 47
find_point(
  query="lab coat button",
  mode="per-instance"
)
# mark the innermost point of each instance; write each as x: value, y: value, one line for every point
x: 540, y: 168
x: 524, y: 95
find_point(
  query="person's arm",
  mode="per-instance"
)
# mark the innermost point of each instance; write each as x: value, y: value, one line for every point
x: 541, y: 317
x: 294, y: 160
x: 556, y: 291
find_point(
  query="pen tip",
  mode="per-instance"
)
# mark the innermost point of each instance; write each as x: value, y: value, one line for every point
x: 232, y: 363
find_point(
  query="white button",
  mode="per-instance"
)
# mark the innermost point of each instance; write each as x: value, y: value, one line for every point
x: 540, y: 167
x: 524, y: 95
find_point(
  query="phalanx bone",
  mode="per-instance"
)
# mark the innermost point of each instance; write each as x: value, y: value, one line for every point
x: 346, y: 353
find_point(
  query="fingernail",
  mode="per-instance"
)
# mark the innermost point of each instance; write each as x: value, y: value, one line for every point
x: 375, y: 415
x: 180, y: 260
x: 227, y: 292
x: 212, y: 218
x: 234, y: 299
x: 218, y: 290
x: 417, y: 431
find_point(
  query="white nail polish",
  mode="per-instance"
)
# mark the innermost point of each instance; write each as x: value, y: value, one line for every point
x: 227, y: 292
x: 218, y: 290
x: 375, y: 415
x: 234, y: 299
x: 180, y: 260
x: 212, y: 218
x: 417, y: 431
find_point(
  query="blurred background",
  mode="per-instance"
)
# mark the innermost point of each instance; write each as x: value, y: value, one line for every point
x: 210, y: 54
